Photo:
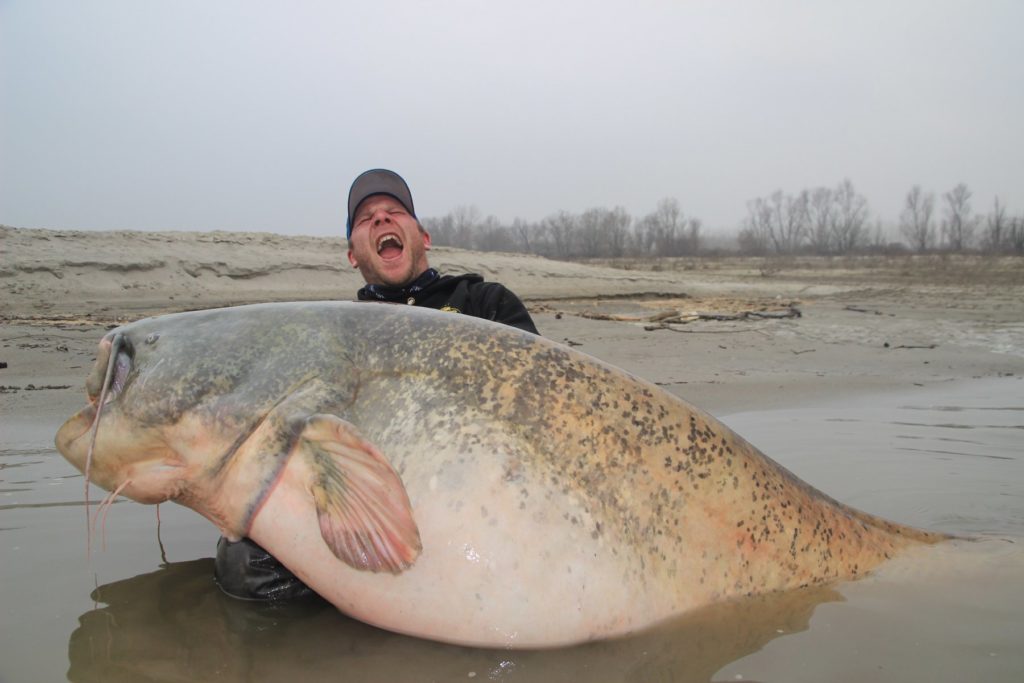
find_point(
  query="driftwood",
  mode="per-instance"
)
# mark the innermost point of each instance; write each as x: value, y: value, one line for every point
x: 858, y: 309
x: 664, y: 319
x: 657, y: 317
x: 791, y: 312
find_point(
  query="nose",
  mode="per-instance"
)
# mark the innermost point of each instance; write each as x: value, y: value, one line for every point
x: 381, y: 216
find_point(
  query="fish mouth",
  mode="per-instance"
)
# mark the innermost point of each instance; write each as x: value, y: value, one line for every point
x: 106, y: 382
x: 389, y: 246
x: 77, y: 426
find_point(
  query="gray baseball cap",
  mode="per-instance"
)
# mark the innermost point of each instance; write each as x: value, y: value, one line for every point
x: 377, y: 181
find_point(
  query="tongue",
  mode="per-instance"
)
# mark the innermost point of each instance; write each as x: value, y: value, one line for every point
x: 390, y: 251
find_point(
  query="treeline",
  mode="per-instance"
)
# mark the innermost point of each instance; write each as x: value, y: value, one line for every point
x: 598, y: 232
x: 821, y: 220
x: 958, y: 228
x: 837, y: 220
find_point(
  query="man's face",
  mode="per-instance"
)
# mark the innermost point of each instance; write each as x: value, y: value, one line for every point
x: 387, y: 245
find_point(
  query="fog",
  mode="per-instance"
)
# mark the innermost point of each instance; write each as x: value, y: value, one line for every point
x: 199, y: 115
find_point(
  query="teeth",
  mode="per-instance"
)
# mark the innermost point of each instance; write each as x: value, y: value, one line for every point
x: 385, y: 239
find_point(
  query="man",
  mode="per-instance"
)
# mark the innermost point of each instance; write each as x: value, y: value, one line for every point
x: 389, y: 247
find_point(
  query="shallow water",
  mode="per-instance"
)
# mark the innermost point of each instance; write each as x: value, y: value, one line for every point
x: 948, y: 458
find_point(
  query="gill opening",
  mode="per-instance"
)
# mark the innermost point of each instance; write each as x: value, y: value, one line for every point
x: 115, y: 347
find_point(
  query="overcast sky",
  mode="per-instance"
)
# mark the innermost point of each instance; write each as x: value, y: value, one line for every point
x: 246, y: 115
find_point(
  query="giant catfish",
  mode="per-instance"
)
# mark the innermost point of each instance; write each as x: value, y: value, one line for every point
x: 452, y: 478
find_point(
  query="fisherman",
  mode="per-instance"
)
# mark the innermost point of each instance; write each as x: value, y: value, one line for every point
x: 389, y: 246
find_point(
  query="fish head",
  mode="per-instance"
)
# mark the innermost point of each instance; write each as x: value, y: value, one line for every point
x: 207, y: 408
x: 106, y: 440
x: 175, y: 403
x: 167, y: 396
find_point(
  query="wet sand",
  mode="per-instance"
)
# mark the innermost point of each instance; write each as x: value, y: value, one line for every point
x: 866, y: 324
x: 724, y: 334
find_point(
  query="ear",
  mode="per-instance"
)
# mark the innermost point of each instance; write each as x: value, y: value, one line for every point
x: 426, y: 240
x: 352, y: 259
x: 364, y: 511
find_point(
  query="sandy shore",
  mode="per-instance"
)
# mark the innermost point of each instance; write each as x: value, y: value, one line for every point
x: 728, y: 334
x: 858, y: 375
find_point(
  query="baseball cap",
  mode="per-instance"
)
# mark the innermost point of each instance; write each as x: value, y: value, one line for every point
x: 377, y: 181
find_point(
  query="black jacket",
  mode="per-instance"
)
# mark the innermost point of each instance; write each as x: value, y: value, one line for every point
x: 467, y: 294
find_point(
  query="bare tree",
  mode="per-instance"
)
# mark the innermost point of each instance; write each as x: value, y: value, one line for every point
x: 561, y: 228
x: 589, y: 237
x: 693, y: 238
x: 849, y: 219
x: 457, y: 228
x: 958, y: 225
x: 1015, y: 234
x: 880, y: 241
x: 755, y: 237
x: 620, y: 222
x: 465, y: 221
x: 667, y: 231
x: 657, y: 230
x: 820, y: 210
x: 788, y: 224
x: 996, y: 229
x: 781, y: 221
x: 521, y: 232
x: 609, y: 230
x: 916, y: 219
x: 751, y: 242
x: 442, y: 230
x: 491, y: 235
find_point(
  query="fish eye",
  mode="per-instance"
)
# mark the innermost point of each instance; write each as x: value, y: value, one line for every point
x: 151, y: 339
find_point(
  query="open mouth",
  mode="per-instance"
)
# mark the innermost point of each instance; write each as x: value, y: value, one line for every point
x: 389, y: 246
x: 105, y: 383
x: 77, y: 426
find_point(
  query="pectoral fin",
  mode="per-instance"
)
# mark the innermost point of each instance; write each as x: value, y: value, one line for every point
x: 364, y: 511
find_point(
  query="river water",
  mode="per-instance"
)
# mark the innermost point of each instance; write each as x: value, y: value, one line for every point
x: 948, y: 457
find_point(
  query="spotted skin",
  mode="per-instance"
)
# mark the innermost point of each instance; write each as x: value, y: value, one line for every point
x: 559, y: 499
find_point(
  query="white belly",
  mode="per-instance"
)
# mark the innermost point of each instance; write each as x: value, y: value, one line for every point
x: 499, y: 567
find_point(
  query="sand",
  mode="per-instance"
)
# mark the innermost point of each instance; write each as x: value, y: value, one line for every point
x: 794, y: 330
x: 883, y: 381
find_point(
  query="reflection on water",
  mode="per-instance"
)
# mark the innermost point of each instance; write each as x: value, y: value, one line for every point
x: 175, y: 625
x: 954, y: 467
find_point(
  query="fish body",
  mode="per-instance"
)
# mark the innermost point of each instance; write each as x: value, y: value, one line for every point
x: 455, y: 479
